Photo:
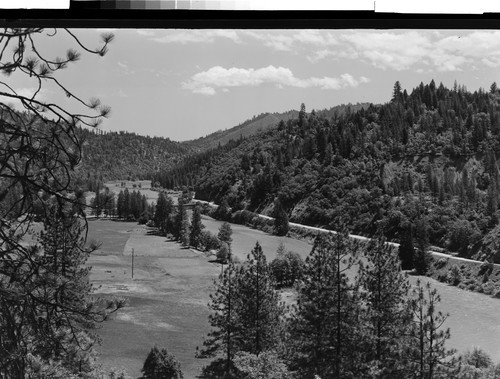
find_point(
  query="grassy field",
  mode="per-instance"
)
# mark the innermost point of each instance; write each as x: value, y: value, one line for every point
x: 171, y: 285
x: 167, y: 296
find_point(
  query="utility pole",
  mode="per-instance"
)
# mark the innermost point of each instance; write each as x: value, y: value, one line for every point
x: 132, y: 263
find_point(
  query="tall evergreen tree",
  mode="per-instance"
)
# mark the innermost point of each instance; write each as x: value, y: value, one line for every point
x: 180, y: 220
x: 406, y: 250
x: 196, y: 227
x: 323, y: 326
x: 54, y: 325
x: 160, y: 214
x: 169, y: 215
x: 120, y: 205
x: 222, y: 340
x: 429, y: 357
x: 385, y: 313
x: 260, y: 312
x: 281, y: 224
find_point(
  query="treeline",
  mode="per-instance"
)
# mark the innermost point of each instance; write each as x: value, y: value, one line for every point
x: 172, y: 220
x: 372, y: 326
x: 132, y: 206
x: 423, y: 166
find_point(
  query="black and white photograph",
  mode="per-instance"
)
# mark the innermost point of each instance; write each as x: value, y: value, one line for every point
x: 249, y: 203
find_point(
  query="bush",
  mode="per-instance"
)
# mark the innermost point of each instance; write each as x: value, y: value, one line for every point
x: 462, y: 237
x: 488, y: 288
x: 265, y: 365
x: 454, y: 275
x: 243, y: 217
x: 477, y: 358
x: 286, y: 269
x: 440, y: 263
x: 223, y: 254
x: 486, y: 268
x: 496, y: 294
x: 208, y: 241
x: 159, y: 364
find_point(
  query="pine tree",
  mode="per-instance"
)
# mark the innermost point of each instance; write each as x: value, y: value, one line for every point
x: 160, y: 212
x: 223, y: 338
x: 406, y: 250
x: 427, y: 352
x: 385, y: 314
x: 281, y: 224
x: 260, y: 312
x: 169, y: 215
x: 160, y: 364
x: 184, y: 232
x: 196, y: 227
x: 120, y: 205
x: 397, y: 94
x: 324, y: 322
x: 54, y: 326
x: 422, y: 258
x: 180, y: 220
x: 40, y: 149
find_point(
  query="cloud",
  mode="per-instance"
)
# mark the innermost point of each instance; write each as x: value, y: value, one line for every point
x: 386, y: 50
x: 416, y: 49
x: 220, y: 78
x: 145, y: 32
x: 290, y: 41
x: 197, y: 36
x: 125, y: 69
x: 122, y: 93
x: 397, y: 51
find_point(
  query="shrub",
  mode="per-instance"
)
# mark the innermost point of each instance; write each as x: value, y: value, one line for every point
x: 443, y: 278
x: 159, y: 364
x: 486, y: 268
x: 243, y: 217
x: 287, y: 268
x: 440, y: 263
x: 265, y: 365
x: 488, y: 288
x: 208, y: 241
x: 454, y: 275
x: 462, y: 236
x: 477, y: 358
x: 223, y: 254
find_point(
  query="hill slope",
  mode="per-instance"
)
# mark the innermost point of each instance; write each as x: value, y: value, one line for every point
x: 422, y: 165
x: 122, y: 155
x: 250, y: 127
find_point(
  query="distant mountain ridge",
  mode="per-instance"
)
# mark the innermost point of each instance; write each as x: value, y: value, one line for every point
x: 260, y: 123
x: 250, y: 127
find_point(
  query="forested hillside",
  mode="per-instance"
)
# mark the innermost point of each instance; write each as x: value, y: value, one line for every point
x: 422, y: 167
x: 123, y: 155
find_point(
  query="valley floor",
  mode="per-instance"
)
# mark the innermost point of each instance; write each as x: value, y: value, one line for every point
x: 170, y: 290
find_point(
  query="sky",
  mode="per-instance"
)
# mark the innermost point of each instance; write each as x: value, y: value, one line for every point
x: 188, y: 83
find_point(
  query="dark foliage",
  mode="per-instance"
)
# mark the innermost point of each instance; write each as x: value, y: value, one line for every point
x: 160, y: 364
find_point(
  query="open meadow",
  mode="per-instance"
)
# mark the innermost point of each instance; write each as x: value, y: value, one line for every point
x: 168, y: 296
